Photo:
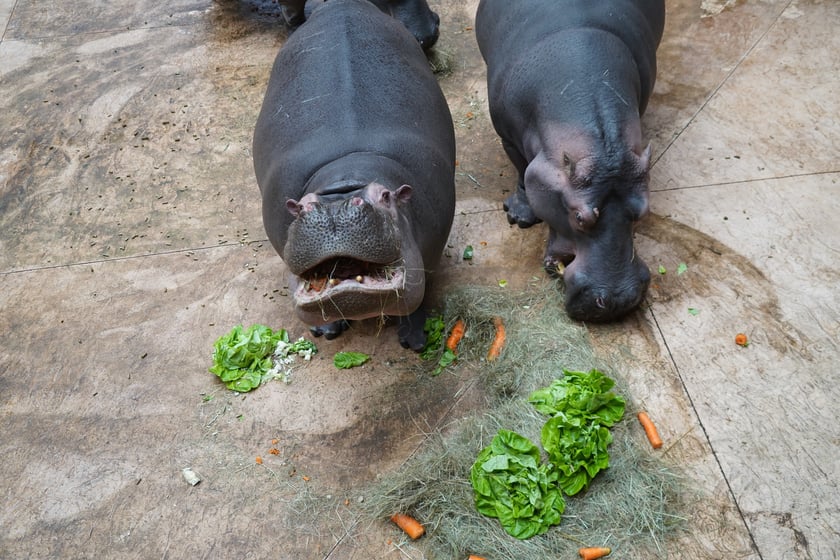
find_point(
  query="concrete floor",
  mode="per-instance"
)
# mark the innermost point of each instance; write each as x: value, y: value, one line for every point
x: 132, y: 238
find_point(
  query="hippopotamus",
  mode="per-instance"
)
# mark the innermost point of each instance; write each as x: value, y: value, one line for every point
x: 568, y: 81
x: 354, y: 154
x: 414, y: 14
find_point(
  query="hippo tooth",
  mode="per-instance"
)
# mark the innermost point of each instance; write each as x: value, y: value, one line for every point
x: 561, y: 268
x: 333, y: 281
x: 359, y: 278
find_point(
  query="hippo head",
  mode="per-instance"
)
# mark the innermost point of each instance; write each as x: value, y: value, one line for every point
x: 350, y: 255
x: 416, y: 16
x: 592, y: 207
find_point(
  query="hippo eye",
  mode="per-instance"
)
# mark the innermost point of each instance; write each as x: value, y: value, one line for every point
x: 578, y: 217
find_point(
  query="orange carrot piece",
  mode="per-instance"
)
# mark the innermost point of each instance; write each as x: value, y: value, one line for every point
x: 650, y: 430
x: 258, y: 460
x: 593, y: 552
x: 411, y: 526
x: 456, y: 335
x: 741, y: 339
x: 474, y: 557
x: 498, y: 340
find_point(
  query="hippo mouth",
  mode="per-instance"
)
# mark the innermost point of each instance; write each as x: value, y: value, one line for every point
x: 347, y: 288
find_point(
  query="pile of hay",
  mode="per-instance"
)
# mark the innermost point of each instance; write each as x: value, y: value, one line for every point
x: 631, y: 507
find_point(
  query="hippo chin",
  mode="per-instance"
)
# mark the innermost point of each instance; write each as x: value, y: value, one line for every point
x: 568, y: 81
x: 354, y: 154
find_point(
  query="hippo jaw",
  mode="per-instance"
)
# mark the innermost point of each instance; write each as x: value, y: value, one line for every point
x: 343, y: 288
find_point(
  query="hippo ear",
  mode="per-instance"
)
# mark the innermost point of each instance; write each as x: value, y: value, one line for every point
x: 294, y: 207
x: 403, y: 194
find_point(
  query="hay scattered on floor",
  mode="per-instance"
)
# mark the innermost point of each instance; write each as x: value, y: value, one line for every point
x: 633, y: 506
x: 440, y: 60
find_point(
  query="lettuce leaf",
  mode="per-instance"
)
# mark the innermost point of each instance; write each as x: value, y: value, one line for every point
x: 347, y: 360
x: 511, y: 484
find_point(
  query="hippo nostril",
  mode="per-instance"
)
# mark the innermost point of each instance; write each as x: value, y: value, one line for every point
x: 599, y: 301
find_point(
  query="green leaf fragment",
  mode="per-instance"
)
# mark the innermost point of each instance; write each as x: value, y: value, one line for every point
x: 693, y: 311
x: 662, y: 269
x: 682, y: 267
x: 468, y: 252
x: 347, y: 360
x: 434, y: 328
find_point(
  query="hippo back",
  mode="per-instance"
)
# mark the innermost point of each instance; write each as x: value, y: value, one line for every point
x: 514, y: 28
x: 352, y: 80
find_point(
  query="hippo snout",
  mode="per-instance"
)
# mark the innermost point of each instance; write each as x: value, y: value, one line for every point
x: 428, y: 38
x: 350, y: 228
x: 590, y: 298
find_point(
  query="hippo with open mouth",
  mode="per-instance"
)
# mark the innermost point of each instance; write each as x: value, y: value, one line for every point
x: 568, y: 81
x: 354, y: 154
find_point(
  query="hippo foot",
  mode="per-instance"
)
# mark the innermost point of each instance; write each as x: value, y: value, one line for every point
x: 411, y: 331
x: 330, y: 330
x: 519, y: 211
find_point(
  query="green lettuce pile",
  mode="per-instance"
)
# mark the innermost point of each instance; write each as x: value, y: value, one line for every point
x: 512, y: 484
x: 244, y: 359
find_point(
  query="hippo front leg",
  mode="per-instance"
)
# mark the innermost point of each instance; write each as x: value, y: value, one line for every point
x: 411, y: 331
x: 518, y: 209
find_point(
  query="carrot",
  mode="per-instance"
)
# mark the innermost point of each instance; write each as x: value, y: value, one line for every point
x: 411, y: 526
x: 456, y: 335
x: 650, y: 430
x: 474, y: 557
x: 593, y: 552
x: 741, y: 339
x: 259, y: 460
x: 498, y: 340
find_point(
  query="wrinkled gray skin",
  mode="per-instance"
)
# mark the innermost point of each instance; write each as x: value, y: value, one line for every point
x: 567, y: 82
x: 414, y: 14
x: 354, y: 153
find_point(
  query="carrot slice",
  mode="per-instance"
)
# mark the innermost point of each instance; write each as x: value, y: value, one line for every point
x: 456, y: 335
x: 650, y: 430
x: 498, y: 340
x: 411, y: 526
x: 593, y: 552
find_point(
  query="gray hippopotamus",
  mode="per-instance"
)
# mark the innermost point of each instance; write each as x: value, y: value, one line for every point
x: 414, y: 14
x: 354, y: 153
x: 567, y: 83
